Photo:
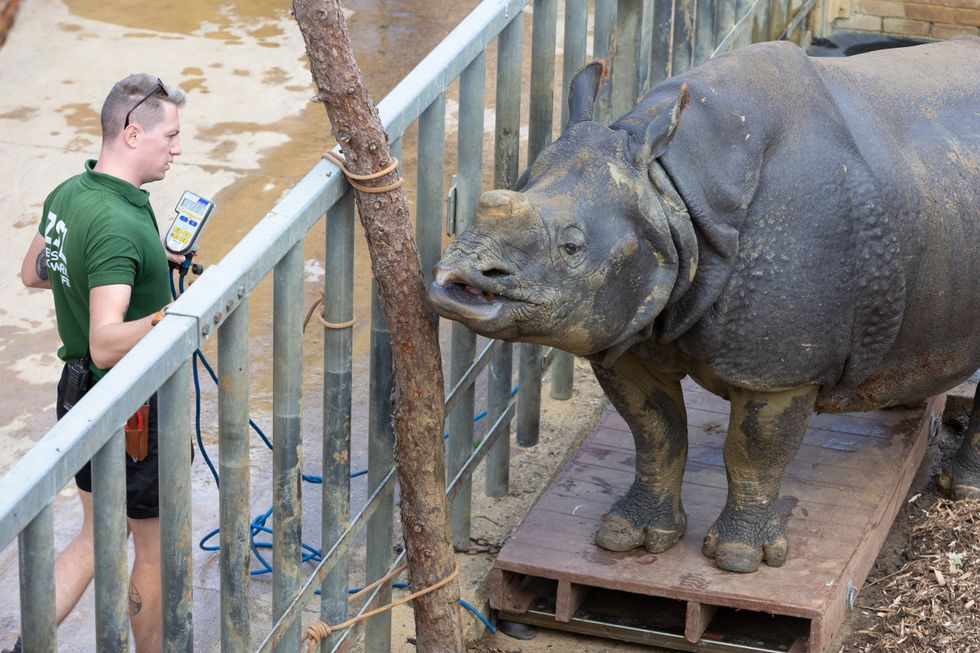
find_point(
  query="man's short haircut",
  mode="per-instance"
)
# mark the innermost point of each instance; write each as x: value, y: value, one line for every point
x: 127, y: 93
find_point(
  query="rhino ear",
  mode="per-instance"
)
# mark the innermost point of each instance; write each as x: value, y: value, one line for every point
x: 661, y: 129
x: 582, y: 93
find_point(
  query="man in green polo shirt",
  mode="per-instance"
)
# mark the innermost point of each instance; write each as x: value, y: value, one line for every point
x: 98, y: 249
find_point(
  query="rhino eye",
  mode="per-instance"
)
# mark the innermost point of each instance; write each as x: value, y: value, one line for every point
x: 572, y: 240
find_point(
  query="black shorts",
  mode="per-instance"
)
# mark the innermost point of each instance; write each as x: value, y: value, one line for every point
x: 142, y: 478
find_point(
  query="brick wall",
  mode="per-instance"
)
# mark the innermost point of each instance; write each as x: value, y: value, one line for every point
x: 7, y: 10
x: 936, y: 19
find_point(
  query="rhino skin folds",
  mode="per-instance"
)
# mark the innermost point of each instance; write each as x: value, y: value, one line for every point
x: 795, y: 234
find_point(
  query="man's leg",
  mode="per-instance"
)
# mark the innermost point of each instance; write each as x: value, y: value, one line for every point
x: 145, y: 613
x: 74, y: 567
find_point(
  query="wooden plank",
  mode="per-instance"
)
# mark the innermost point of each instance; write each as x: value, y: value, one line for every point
x: 507, y: 591
x: 698, y: 617
x: 856, y: 570
x: 568, y: 599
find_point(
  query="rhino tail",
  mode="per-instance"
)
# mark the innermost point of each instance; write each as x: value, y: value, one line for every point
x: 582, y: 92
x: 661, y: 130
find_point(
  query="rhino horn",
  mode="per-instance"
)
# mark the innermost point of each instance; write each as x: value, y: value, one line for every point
x: 502, y: 204
x: 660, y: 131
x: 582, y: 93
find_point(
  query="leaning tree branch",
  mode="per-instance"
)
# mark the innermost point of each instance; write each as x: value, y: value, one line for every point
x: 418, y: 396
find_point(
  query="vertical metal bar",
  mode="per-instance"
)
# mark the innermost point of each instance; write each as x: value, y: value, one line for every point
x: 661, y: 60
x: 381, y: 454
x: 779, y: 19
x: 109, y: 526
x: 543, y: 33
x: 684, y: 25
x: 176, y: 538
x: 287, y: 381
x: 725, y: 18
x: 234, y: 473
x: 573, y: 58
x: 745, y: 37
x: 35, y: 545
x: 337, y: 347
x: 762, y: 22
x: 645, y: 47
x: 468, y: 184
x: 602, y: 43
x: 505, y: 172
x: 429, y: 188
x: 704, y: 33
x: 381, y: 440
x: 625, y: 82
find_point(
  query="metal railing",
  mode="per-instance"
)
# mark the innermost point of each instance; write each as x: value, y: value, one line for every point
x: 649, y: 40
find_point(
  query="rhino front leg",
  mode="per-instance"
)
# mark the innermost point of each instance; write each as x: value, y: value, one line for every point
x: 962, y: 481
x: 650, y: 513
x: 764, y: 433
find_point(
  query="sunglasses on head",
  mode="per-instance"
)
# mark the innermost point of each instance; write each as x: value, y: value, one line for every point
x: 158, y: 88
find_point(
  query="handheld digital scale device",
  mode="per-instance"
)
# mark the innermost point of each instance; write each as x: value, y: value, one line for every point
x: 192, y: 214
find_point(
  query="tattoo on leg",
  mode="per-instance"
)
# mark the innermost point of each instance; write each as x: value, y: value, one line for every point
x: 41, y: 267
x: 135, y: 600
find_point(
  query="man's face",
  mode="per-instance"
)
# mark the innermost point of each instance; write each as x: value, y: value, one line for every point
x: 160, y: 144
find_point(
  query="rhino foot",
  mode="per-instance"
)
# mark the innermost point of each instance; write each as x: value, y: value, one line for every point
x: 948, y: 483
x: 962, y: 479
x: 637, y: 519
x: 741, y: 539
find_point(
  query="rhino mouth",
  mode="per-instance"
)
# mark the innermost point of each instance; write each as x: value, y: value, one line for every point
x: 458, y: 298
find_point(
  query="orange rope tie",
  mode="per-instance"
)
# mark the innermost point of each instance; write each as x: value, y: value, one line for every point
x: 322, y: 317
x: 352, y: 179
x: 318, y: 631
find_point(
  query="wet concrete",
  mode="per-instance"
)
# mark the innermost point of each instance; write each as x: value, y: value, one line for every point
x: 249, y: 134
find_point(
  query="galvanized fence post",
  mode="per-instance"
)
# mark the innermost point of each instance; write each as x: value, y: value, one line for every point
x: 704, y: 33
x: 468, y: 185
x: 234, y: 467
x: 725, y: 18
x: 602, y: 43
x: 429, y: 191
x: 573, y: 58
x: 507, y: 143
x: 625, y: 68
x: 381, y: 458
x: 543, y: 34
x: 35, y: 551
x: 111, y: 564
x: 660, y: 52
x: 176, y: 541
x: 287, y: 436
x: 338, y: 309
x: 684, y: 25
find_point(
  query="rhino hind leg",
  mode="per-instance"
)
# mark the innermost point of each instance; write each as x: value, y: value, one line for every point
x: 764, y: 433
x: 962, y: 480
x: 651, y: 402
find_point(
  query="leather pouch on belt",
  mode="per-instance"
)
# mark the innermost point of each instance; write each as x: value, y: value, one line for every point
x: 138, y: 434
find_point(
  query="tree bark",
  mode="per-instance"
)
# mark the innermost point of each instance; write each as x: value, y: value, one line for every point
x: 418, y: 396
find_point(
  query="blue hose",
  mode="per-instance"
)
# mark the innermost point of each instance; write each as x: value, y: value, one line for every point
x: 258, y: 524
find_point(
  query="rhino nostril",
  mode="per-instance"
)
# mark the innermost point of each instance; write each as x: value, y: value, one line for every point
x: 496, y: 272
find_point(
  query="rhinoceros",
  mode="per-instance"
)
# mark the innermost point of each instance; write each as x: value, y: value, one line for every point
x: 795, y: 234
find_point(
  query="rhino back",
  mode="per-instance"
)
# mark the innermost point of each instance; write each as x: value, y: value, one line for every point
x: 810, y: 227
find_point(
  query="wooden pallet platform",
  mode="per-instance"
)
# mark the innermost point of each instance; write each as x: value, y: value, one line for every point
x: 840, y: 495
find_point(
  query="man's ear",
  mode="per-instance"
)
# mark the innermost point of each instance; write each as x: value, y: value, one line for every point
x: 661, y: 130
